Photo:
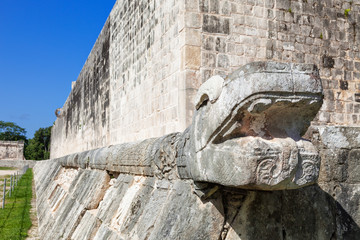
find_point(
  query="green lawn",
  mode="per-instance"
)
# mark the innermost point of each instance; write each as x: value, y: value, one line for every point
x: 15, y: 217
x: 7, y: 168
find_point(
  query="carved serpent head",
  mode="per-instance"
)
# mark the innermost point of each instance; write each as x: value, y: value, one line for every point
x: 247, y: 128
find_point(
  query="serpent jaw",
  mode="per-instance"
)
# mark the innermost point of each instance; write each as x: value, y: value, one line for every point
x: 248, y: 135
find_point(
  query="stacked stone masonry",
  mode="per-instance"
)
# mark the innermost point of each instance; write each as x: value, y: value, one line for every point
x: 12, y: 150
x: 325, y: 33
x: 131, y: 85
x: 151, y: 56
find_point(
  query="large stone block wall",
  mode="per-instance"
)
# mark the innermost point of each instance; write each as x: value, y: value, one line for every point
x: 91, y: 195
x: 12, y: 150
x: 151, y: 57
x: 231, y: 33
x: 145, y: 73
x: 83, y: 121
x: 131, y: 84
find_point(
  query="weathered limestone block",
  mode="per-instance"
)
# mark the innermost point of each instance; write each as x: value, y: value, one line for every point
x: 87, y: 226
x: 133, y: 207
x: 65, y: 195
x: 294, y: 214
x: 339, y: 176
x: 336, y: 137
x: 354, y: 164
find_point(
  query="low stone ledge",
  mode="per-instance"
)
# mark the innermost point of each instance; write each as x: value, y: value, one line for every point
x: 17, y: 163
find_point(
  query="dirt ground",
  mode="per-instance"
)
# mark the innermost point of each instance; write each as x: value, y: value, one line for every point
x: 2, y: 174
x: 33, y: 233
x: 7, y: 172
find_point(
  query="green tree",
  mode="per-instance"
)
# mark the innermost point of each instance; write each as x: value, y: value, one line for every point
x: 9, y: 131
x: 38, y: 148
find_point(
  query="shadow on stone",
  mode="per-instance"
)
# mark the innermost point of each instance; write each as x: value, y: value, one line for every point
x: 307, y: 213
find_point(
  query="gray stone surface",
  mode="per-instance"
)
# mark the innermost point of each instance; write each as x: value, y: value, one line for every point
x: 335, y: 137
x: 339, y: 176
x: 136, y: 207
x: 133, y: 207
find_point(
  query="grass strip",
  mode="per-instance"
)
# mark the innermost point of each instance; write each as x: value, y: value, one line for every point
x: 15, y: 217
x: 7, y: 168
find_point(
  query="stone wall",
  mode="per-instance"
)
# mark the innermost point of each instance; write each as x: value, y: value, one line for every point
x: 131, y: 86
x: 12, y: 150
x: 83, y: 122
x: 128, y: 207
x: 231, y: 33
x: 17, y: 163
x: 93, y: 195
x: 339, y: 176
x: 145, y: 75
x: 143, y: 72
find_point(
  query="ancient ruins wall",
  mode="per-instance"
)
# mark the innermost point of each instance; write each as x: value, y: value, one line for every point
x: 141, y: 84
x: 129, y: 87
x: 145, y: 73
x: 151, y: 57
x: 231, y: 33
x: 17, y: 163
x: 11, y: 150
x: 83, y: 121
x: 84, y: 197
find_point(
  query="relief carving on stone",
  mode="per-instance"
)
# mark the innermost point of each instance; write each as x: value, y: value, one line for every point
x: 248, y: 132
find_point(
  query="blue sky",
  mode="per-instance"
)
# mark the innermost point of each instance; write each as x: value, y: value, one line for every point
x: 43, y: 46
